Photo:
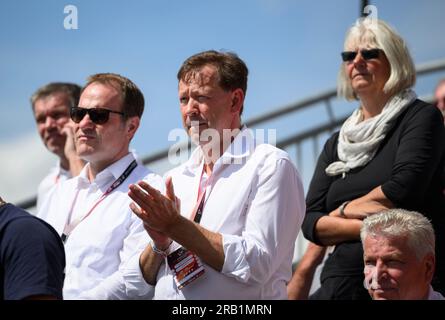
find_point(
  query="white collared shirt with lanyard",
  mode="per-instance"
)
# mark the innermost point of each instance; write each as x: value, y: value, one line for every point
x: 71, y: 225
x: 185, y: 265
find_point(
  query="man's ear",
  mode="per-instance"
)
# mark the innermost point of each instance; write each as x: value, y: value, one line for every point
x: 237, y: 100
x: 430, y: 266
x: 132, y: 126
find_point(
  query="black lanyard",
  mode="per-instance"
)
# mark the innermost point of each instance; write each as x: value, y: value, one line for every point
x: 69, y: 227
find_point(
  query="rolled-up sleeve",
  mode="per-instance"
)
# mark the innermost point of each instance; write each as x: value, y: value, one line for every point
x: 274, y: 218
x: 134, y: 283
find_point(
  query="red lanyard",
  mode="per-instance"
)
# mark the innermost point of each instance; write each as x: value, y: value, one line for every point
x: 199, y: 207
x: 69, y: 227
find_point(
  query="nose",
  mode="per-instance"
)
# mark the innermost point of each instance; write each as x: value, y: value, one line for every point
x: 192, y: 107
x: 85, y: 122
x: 50, y: 122
x: 358, y: 60
x: 381, y: 270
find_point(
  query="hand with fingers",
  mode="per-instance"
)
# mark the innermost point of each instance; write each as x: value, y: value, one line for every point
x: 75, y: 163
x: 158, y: 212
x: 70, y: 147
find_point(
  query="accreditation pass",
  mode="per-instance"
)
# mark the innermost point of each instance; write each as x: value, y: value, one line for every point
x: 186, y: 266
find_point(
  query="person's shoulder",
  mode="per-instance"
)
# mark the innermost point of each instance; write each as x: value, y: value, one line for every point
x: 333, y: 139
x: 31, y: 223
x: 269, y: 151
x: 50, y: 177
x: 179, y: 170
x: 268, y: 156
x: 330, y: 146
x: 20, y: 223
x: 421, y: 114
x: 9, y: 213
x: 154, y: 179
x: 420, y: 108
x: 141, y: 172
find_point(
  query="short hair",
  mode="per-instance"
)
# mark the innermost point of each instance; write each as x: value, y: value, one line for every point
x: 72, y: 90
x: 232, y: 71
x: 394, y: 223
x: 379, y: 34
x: 132, y: 98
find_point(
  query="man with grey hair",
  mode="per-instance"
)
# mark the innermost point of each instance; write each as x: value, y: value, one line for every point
x: 51, y: 105
x: 399, y: 256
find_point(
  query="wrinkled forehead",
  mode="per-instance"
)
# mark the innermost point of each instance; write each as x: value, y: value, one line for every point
x: 361, y: 39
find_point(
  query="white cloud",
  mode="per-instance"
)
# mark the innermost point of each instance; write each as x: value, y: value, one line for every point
x: 24, y: 163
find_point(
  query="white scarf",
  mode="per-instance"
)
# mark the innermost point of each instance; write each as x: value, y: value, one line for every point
x: 358, y: 140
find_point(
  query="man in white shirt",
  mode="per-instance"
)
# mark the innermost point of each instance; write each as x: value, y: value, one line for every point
x: 399, y: 256
x: 91, y: 211
x: 51, y: 105
x: 227, y: 230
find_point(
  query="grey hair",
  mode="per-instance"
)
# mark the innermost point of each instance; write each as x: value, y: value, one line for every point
x: 72, y: 90
x: 394, y: 223
x: 378, y: 34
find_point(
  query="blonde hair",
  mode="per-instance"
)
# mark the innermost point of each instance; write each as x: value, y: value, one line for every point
x: 378, y: 34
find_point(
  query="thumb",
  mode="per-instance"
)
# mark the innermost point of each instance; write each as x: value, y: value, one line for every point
x: 170, y: 192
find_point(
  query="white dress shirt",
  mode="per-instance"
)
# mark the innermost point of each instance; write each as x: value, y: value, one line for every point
x: 48, y: 184
x: 255, y: 200
x: 101, y: 243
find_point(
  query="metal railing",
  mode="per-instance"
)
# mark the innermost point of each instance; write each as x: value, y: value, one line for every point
x: 316, y: 134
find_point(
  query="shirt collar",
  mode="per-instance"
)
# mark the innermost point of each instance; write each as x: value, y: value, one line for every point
x: 112, y: 172
x: 60, y: 171
x: 241, y: 147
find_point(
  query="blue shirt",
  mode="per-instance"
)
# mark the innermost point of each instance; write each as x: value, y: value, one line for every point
x: 32, y: 257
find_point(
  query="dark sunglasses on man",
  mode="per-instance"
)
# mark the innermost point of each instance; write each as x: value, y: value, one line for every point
x: 97, y: 115
x: 367, y: 54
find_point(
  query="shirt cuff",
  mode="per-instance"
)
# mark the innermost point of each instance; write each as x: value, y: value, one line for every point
x: 135, y: 285
x: 235, y: 261
x: 308, y: 227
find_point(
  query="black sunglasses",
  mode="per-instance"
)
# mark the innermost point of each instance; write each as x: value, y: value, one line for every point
x: 97, y: 115
x: 366, y: 54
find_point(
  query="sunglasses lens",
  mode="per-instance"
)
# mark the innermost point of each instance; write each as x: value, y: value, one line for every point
x: 348, y: 55
x: 77, y: 114
x: 370, y: 54
x: 99, y: 116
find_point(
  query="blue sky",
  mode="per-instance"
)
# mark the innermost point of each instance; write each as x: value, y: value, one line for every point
x: 291, y: 48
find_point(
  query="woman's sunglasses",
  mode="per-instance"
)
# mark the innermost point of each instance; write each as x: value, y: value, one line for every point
x: 367, y: 54
x: 97, y: 115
